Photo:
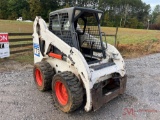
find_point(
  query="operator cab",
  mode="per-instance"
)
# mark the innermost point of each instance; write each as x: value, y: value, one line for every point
x: 79, y: 28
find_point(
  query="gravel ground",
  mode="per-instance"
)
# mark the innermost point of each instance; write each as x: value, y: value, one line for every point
x: 20, y: 99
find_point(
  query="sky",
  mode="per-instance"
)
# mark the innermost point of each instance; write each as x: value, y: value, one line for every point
x: 152, y: 3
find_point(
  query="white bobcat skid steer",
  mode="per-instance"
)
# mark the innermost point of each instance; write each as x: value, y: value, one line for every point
x: 71, y: 58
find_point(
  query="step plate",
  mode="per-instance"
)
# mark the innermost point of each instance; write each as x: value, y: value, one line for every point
x: 101, y: 66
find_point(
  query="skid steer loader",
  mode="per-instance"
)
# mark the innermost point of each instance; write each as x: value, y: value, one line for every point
x: 72, y: 58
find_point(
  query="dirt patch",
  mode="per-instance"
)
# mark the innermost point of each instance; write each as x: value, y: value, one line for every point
x: 139, y: 49
x: 11, y: 65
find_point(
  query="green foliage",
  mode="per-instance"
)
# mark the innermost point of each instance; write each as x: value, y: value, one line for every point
x: 3, y: 9
x: 35, y: 8
x: 47, y: 7
x: 158, y: 19
x: 133, y: 23
x: 155, y: 13
x: 123, y: 13
x: 105, y: 19
x: 25, y: 14
x: 140, y: 25
x: 28, y: 9
x: 110, y: 24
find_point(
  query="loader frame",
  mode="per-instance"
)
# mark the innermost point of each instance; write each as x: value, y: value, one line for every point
x: 63, y: 53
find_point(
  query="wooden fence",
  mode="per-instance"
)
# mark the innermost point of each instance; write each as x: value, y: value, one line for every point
x: 113, y: 35
x: 20, y: 42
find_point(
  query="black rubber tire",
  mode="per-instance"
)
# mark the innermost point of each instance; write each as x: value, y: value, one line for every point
x: 46, y: 72
x: 74, y: 89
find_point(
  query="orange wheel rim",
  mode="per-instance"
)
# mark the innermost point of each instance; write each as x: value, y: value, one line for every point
x: 61, y: 93
x: 38, y: 77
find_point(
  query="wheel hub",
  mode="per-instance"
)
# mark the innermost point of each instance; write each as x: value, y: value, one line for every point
x: 38, y: 77
x: 61, y: 93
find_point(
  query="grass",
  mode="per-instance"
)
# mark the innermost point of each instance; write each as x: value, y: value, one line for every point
x: 11, y: 26
x: 135, y: 42
x: 25, y: 58
x: 131, y: 36
x: 131, y: 42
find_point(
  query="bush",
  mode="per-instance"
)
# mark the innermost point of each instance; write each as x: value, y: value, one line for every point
x: 155, y: 26
x: 133, y: 23
x: 140, y: 25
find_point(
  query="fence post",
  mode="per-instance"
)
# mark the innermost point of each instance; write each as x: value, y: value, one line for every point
x: 115, y: 44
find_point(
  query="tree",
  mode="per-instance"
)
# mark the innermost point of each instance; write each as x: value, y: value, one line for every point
x: 155, y: 13
x: 15, y: 8
x: 3, y: 9
x: 35, y: 8
x: 158, y: 19
x: 116, y: 12
x: 47, y: 7
x: 122, y: 11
